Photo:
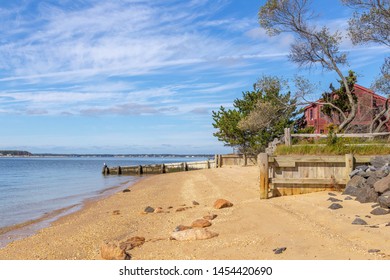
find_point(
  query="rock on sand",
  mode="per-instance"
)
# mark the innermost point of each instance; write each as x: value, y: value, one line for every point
x: 193, y: 234
x: 222, y: 203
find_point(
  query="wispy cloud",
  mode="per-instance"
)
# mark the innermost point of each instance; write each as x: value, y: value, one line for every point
x: 163, y: 65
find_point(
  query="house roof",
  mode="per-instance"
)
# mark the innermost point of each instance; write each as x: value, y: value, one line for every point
x: 356, y: 86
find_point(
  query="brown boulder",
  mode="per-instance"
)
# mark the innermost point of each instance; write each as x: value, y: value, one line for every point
x: 131, y: 243
x: 210, y: 217
x: 222, y: 203
x: 111, y: 251
x: 200, y: 223
x: 193, y: 234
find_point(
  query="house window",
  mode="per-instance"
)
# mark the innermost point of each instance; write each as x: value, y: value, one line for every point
x: 311, y: 114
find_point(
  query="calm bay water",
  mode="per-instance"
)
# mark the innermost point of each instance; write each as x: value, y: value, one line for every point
x: 31, y: 188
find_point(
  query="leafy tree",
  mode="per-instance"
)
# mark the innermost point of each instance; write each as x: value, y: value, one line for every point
x: 312, y: 46
x: 339, y: 99
x: 257, y: 118
x: 382, y: 83
x: 265, y: 117
x: 370, y: 23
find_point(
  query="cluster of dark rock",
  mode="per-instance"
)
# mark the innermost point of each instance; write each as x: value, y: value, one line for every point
x: 371, y: 183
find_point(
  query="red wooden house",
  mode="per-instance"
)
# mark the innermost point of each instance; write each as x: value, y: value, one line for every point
x: 369, y: 103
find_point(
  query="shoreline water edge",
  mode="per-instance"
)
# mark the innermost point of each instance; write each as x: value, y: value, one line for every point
x: 22, y: 181
x: 28, y: 228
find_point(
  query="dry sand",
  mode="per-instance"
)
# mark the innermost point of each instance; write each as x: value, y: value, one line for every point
x: 251, y: 229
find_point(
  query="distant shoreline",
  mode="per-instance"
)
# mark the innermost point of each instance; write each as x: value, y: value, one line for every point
x: 23, y: 154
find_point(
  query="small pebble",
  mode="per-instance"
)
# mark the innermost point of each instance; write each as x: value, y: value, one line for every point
x: 149, y: 209
x: 379, y: 211
x: 279, y: 250
x: 359, y: 221
x: 332, y: 199
x: 374, y: 251
x: 335, y: 206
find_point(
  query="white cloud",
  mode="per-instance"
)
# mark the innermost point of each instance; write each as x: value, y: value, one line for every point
x: 99, y: 57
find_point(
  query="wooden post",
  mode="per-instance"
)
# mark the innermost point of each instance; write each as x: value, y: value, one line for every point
x: 245, y: 160
x: 349, y: 165
x: 106, y: 170
x: 219, y: 160
x: 140, y: 171
x: 208, y: 164
x: 162, y: 168
x: 287, y: 136
x: 119, y: 170
x: 262, y: 160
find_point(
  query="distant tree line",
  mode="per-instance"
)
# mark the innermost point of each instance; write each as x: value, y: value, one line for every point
x: 14, y: 153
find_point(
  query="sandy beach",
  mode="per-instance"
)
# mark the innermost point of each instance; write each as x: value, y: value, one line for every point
x: 251, y: 229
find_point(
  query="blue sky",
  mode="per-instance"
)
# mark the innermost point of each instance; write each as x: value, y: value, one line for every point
x: 133, y: 76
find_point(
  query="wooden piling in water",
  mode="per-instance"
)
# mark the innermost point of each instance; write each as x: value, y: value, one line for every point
x: 105, y: 170
x: 159, y: 168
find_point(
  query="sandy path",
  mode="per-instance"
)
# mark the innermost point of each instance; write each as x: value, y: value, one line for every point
x: 251, y: 229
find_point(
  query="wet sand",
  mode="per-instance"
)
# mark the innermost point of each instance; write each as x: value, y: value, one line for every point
x: 251, y: 229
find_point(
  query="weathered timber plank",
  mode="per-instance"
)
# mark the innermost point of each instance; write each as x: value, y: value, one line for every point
x: 307, y: 181
x: 289, y: 161
x: 363, y: 159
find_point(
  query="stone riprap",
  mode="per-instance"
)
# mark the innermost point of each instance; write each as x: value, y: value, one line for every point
x: 371, y: 183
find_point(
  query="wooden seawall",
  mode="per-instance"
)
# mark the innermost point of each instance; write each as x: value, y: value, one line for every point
x: 291, y: 175
x: 158, y: 168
